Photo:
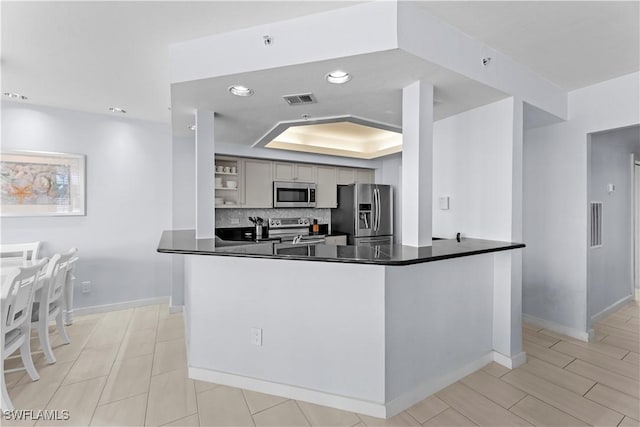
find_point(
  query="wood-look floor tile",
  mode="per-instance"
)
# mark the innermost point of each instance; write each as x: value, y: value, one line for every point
x: 128, y: 377
x: 558, y: 376
x: 144, y: 320
x: 318, y: 415
x: 286, y: 414
x: 620, y: 322
x: 151, y: 307
x: 190, y: 421
x: 171, y: 396
x: 619, y: 366
x: 204, y: 386
x: 223, y: 406
x: 449, y: 418
x: 427, y: 408
x: 615, y: 400
x: 600, y: 347
x: 624, y: 343
x: 92, y: 363
x: 606, y: 377
x: 260, y: 401
x: 621, y: 333
x: 498, y: 391
x: 170, y: 328
x: 403, y: 419
x: 541, y: 414
x: 539, y: 339
x: 575, y: 405
x: 530, y: 327
x: 169, y: 355
x: 30, y: 393
x: 54, y: 372
x: 137, y: 343
x: 495, y: 369
x: 632, y: 357
x: 13, y: 378
x: 547, y: 354
x: 80, y: 399
x: 478, y: 408
x: 629, y: 422
x: 128, y: 412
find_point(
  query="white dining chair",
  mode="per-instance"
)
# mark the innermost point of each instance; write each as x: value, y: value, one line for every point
x: 68, y: 291
x: 49, y: 302
x: 16, y: 316
x: 26, y: 251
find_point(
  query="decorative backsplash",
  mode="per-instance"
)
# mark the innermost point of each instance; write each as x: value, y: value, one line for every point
x: 224, y: 216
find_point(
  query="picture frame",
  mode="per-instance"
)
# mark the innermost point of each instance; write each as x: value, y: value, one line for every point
x: 42, y: 184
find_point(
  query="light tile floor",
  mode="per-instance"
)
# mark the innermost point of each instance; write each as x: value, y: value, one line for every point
x: 128, y: 368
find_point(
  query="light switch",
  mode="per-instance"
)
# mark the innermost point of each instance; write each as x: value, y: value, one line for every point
x: 611, y: 188
x: 444, y: 203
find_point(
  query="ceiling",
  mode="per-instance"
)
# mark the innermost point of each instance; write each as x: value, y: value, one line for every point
x: 89, y: 56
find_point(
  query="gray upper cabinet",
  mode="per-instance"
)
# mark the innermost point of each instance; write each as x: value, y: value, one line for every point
x: 255, y: 180
x: 257, y: 184
x: 346, y: 176
x: 326, y: 194
x: 364, y: 176
x: 294, y: 172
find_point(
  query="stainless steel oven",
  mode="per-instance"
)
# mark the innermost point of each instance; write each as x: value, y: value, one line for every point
x: 294, y: 194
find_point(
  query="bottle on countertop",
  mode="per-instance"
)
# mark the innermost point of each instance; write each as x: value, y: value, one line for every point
x: 316, y: 226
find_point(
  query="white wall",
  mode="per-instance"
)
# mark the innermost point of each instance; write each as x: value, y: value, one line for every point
x: 128, y: 199
x: 611, y: 266
x: 473, y: 160
x: 555, y: 200
x: 472, y: 164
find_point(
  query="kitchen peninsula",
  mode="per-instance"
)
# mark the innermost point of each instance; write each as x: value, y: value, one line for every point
x: 367, y: 329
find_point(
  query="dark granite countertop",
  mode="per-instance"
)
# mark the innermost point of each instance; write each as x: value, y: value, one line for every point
x: 184, y: 242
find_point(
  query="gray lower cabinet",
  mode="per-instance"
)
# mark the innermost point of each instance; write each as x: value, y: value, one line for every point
x: 326, y: 194
x: 257, y: 183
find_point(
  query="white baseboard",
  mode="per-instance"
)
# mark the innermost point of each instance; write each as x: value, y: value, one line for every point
x: 299, y: 393
x: 374, y: 409
x: 427, y: 388
x: 510, y: 362
x: 613, y: 307
x: 119, y: 306
x: 556, y: 327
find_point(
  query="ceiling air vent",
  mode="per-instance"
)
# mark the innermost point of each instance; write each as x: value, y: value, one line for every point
x: 300, y: 99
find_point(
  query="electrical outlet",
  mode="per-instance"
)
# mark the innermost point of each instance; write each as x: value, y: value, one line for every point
x: 256, y: 336
x: 86, y: 287
x: 235, y: 221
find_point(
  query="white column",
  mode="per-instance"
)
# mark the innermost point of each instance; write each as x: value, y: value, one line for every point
x: 205, y: 175
x: 417, y: 160
x: 507, y: 291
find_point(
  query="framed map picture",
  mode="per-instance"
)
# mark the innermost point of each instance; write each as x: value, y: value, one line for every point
x: 42, y: 184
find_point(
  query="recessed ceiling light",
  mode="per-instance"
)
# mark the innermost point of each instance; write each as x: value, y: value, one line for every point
x: 14, y: 95
x: 338, y: 77
x: 240, y: 90
x: 116, y: 110
x: 192, y: 127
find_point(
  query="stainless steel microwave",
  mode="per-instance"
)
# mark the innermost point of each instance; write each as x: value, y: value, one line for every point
x: 294, y: 194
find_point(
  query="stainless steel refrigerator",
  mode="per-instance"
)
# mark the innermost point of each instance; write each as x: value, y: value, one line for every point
x: 365, y: 213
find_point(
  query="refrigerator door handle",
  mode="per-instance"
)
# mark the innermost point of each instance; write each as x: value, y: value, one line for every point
x: 375, y: 209
x: 379, y: 208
